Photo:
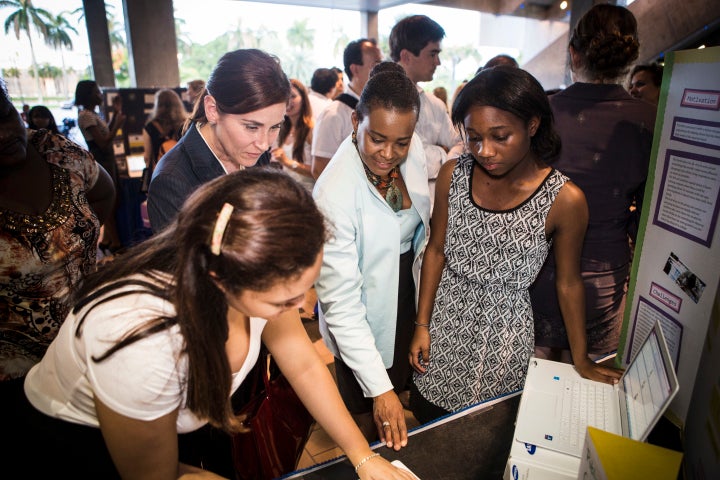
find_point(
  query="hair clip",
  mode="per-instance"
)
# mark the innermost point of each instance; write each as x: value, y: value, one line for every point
x: 219, y: 230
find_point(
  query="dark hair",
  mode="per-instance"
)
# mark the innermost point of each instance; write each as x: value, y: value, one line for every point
x: 243, y: 81
x: 413, y: 34
x: 304, y: 125
x: 256, y: 253
x: 655, y: 71
x: 83, y: 93
x: 502, y: 59
x: 390, y: 90
x: 323, y: 80
x: 606, y: 39
x: 352, y: 55
x: 515, y: 91
x: 7, y: 108
x: 386, y: 66
x: 42, y: 111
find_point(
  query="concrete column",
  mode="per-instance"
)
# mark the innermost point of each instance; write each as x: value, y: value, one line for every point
x: 369, y: 27
x: 152, y: 47
x: 99, y: 40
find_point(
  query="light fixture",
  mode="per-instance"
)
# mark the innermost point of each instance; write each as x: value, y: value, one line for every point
x: 563, y: 5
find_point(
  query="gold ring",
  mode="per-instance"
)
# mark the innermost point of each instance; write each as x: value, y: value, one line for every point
x: 385, y: 424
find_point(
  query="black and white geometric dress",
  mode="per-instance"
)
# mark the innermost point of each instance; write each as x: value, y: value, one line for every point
x: 482, y: 325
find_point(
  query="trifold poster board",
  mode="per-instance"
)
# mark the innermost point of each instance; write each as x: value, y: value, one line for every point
x: 607, y: 456
x: 676, y: 268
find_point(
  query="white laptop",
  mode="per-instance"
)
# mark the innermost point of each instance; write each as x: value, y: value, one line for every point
x: 557, y: 404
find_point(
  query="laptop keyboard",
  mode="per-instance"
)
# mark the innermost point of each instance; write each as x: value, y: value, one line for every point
x: 583, y: 404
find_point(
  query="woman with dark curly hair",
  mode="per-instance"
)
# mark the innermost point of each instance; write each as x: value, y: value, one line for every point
x: 606, y: 136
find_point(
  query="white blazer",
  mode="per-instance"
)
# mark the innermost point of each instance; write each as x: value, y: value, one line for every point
x: 358, y: 283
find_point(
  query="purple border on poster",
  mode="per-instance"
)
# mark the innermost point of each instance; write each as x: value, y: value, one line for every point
x: 701, y: 102
x: 693, y: 121
x: 713, y: 222
x: 676, y: 361
x: 663, y: 296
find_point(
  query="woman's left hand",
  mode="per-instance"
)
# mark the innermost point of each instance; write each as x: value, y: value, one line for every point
x: 600, y: 373
x: 389, y: 417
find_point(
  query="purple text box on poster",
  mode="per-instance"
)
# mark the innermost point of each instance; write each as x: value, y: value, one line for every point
x: 683, y: 214
x: 673, y: 302
x: 702, y: 99
x: 701, y: 133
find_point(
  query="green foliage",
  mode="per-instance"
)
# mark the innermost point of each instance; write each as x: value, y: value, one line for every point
x: 58, y: 32
x: 11, y: 72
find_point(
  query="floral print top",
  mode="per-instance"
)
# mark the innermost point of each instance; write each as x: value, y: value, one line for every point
x: 42, y: 257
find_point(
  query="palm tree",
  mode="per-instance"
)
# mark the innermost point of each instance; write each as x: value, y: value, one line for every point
x: 301, y: 39
x: 20, y: 20
x: 58, y: 38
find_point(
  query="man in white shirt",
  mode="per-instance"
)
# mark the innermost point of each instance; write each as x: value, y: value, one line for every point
x: 322, y: 87
x: 334, y: 123
x: 415, y: 44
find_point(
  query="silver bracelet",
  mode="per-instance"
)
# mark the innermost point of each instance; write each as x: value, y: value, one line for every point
x: 362, y: 462
x: 422, y: 324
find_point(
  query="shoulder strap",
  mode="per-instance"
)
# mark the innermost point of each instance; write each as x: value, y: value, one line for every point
x: 348, y: 100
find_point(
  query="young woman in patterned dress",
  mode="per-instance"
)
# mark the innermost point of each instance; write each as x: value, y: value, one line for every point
x: 498, y: 209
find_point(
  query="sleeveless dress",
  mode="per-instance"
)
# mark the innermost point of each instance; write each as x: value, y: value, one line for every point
x: 482, y: 332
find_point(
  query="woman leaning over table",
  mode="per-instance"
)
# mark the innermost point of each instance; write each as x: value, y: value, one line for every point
x: 375, y: 193
x: 156, y: 344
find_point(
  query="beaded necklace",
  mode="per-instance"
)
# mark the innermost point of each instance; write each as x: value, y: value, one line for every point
x: 387, y: 188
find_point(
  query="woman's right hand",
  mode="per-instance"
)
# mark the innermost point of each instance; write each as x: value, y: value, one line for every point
x: 420, y: 348
x: 378, y: 468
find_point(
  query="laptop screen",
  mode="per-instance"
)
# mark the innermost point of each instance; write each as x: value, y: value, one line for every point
x: 646, y: 385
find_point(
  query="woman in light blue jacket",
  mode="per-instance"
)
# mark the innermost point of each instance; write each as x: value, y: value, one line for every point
x: 375, y: 195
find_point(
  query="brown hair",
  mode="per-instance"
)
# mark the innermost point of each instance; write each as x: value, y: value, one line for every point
x: 256, y: 253
x: 243, y: 81
x: 606, y: 39
x: 168, y: 111
x: 304, y: 126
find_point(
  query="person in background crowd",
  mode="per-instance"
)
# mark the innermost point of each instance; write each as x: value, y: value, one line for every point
x: 40, y: 117
x: 502, y: 59
x: 645, y: 81
x: 415, y: 44
x: 24, y: 114
x: 322, y: 90
x: 340, y: 83
x: 166, y: 122
x: 53, y: 198
x: 99, y: 137
x: 194, y: 91
x: 366, y: 289
x: 155, y: 345
x: 498, y: 209
x: 441, y: 93
x: 233, y: 126
x: 334, y: 123
x: 292, y: 148
x: 607, y: 139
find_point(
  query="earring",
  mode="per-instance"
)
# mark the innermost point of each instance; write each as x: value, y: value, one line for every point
x: 354, y: 137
